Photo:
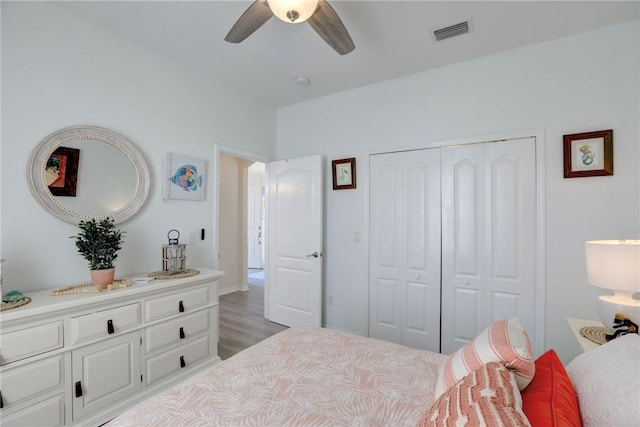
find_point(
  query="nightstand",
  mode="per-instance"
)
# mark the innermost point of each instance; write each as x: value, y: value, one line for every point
x: 576, y: 324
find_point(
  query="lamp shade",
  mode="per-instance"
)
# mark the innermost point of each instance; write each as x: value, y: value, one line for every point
x: 614, y: 264
x: 293, y: 11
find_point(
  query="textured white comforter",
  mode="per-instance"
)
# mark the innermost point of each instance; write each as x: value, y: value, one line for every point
x: 301, y: 377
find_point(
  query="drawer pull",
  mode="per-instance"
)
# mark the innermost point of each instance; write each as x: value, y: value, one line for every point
x: 181, y: 333
x: 182, y: 362
x: 78, y: 389
x: 181, y: 307
x: 1, y: 402
x: 110, y: 329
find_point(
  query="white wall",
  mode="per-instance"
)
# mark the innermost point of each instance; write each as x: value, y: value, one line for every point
x: 233, y: 223
x: 59, y: 70
x: 577, y: 84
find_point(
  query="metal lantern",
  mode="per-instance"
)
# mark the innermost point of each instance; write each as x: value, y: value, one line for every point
x: 174, y: 255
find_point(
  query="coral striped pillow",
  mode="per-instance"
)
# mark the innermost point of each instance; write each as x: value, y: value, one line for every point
x: 503, y: 341
x: 488, y: 396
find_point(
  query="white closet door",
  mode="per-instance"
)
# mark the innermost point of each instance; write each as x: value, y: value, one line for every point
x: 488, y: 238
x: 404, y: 279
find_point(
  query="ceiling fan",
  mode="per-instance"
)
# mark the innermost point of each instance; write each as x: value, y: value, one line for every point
x: 320, y: 15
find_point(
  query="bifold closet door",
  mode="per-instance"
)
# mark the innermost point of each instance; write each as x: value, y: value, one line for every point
x: 488, y: 238
x: 404, y: 279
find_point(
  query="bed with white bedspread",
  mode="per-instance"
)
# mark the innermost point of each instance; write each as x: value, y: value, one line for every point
x: 301, y: 376
x: 323, y: 377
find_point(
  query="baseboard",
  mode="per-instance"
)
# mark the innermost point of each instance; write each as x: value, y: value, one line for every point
x: 227, y: 289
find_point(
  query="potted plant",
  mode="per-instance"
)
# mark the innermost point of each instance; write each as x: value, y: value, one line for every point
x: 99, y: 242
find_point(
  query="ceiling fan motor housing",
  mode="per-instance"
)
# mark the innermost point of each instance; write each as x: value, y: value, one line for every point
x: 293, y: 15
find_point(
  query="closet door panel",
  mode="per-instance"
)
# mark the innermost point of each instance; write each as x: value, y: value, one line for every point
x: 463, y: 244
x: 405, y: 248
x: 386, y: 312
x: 384, y: 255
x: 422, y: 322
x: 417, y: 215
x: 505, y: 305
x: 504, y: 188
x: 511, y: 277
x: 422, y: 218
x: 488, y: 226
x: 466, y: 307
x: 466, y: 204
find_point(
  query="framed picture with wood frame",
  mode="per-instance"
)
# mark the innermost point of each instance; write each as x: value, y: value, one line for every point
x: 588, y: 154
x: 61, y: 171
x: 344, y: 173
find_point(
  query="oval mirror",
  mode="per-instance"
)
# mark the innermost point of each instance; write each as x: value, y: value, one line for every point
x: 84, y: 172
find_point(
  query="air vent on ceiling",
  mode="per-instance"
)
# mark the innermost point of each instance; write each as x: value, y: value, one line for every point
x: 451, y: 31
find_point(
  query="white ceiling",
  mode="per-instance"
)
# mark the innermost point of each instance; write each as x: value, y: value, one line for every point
x: 392, y: 38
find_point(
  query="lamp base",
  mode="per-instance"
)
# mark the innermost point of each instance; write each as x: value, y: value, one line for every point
x: 609, y: 305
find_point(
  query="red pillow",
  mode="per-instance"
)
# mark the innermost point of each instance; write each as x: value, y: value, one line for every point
x: 550, y: 399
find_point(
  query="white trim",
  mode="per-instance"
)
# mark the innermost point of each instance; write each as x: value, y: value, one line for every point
x: 541, y: 243
x: 493, y: 137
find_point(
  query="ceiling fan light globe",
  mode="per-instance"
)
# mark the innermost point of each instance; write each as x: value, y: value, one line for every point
x: 293, y: 11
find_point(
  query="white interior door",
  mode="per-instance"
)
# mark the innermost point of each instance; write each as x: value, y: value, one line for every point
x: 488, y: 238
x: 404, y: 279
x: 294, y: 265
x: 255, y: 183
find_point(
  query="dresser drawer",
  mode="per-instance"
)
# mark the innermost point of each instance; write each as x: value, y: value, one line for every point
x: 158, y: 308
x: 173, y: 361
x: 174, y: 331
x: 27, y: 381
x: 49, y: 413
x: 28, y: 342
x: 104, y: 323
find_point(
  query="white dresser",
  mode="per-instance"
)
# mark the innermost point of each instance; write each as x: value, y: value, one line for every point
x: 83, y: 359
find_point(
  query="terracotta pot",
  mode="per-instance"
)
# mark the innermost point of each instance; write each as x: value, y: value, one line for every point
x: 102, y: 278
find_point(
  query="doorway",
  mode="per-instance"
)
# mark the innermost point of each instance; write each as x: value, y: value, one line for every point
x: 293, y: 274
x: 255, y: 223
x: 237, y: 216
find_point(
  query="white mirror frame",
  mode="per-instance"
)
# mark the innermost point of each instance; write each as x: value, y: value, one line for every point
x: 41, y: 153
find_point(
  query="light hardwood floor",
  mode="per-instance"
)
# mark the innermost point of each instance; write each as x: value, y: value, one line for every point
x: 242, y: 322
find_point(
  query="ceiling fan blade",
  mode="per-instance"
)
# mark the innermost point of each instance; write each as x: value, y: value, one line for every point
x: 252, y: 19
x: 327, y: 24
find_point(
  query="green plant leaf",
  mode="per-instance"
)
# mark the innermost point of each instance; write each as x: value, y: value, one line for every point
x: 98, y: 242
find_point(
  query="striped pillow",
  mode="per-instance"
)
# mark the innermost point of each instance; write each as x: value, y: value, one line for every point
x: 503, y: 341
x: 488, y: 396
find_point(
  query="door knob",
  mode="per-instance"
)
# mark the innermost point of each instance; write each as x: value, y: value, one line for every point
x: 313, y: 255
